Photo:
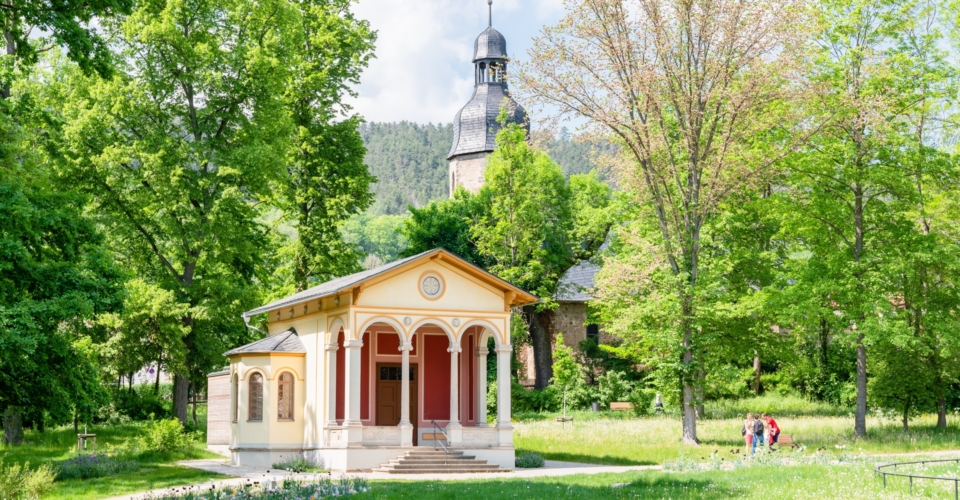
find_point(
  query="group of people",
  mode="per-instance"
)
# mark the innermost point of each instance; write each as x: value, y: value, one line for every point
x: 759, y: 430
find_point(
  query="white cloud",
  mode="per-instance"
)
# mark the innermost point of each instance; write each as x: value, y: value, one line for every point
x: 423, y: 71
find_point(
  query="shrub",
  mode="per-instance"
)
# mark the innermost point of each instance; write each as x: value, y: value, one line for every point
x: 164, y: 436
x: 92, y: 466
x: 546, y: 400
x: 298, y: 463
x: 774, y: 404
x: 642, y: 400
x: 140, y: 403
x: 527, y: 460
x: 613, y: 387
x: 20, y: 483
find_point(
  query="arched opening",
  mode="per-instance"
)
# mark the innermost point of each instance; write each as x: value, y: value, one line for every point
x: 285, y: 396
x: 255, y: 398
x: 483, y: 72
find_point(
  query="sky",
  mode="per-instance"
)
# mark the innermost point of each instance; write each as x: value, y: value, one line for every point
x: 423, y: 71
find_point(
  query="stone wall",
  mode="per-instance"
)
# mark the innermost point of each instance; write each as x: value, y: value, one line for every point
x: 467, y: 171
x: 570, y: 320
x: 218, y: 410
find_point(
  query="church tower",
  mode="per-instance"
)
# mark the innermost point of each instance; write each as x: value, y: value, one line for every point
x: 475, y: 127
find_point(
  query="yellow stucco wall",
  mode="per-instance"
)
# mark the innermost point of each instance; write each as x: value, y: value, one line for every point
x: 270, y: 432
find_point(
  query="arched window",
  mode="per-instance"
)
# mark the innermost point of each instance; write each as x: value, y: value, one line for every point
x: 256, y: 397
x: 234, y: 397
x: 285, y: 397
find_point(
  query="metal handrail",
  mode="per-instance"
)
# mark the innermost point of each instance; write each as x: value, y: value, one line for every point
x: 436, y: 441
x: 956, y: 480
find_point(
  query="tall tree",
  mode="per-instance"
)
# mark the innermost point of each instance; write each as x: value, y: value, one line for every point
x: 326, y: 180
x: 849, y: 186
x: 693, y: 92
x: 174, y: 149
x: 536, y: 226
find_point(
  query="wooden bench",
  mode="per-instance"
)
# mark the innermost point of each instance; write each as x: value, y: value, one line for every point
x: 785, y: 440
x: 430, y: 436
x: 621, y: 406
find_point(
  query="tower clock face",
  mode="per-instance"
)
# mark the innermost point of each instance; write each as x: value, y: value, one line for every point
x: 430, y: 286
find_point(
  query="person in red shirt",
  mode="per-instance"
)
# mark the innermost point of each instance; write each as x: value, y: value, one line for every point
x: 772, y: 427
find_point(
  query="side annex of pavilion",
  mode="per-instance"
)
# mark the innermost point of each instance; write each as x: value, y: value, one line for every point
x: 356, y: 371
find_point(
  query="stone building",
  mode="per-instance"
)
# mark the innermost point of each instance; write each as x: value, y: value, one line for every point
x: 474, y: 137
x: 475, y: 126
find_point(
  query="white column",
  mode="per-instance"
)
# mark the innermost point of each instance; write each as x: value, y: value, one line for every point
x: 454, y: 430
x: 406, y: 428
x: 351, y: 397
x: 454, y: 384
x: 482, y: 384
x: 331, y: 349
x: 503, y: 395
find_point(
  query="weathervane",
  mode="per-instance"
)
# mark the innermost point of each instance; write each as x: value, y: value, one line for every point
x: 490, y: 6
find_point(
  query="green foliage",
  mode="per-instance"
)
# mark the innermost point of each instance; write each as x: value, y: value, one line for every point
x: 137, y: 403
x: 297, y: 463
x: 527, y: 460
x: 446, y: 224
x: 778, y: 405
x: 19, y: 482
x: 642, y: 401
x: 165, y: 436
x: 537, y: 400
x: 410, y: 163
x: 93, y: 466
x: 566, y: 370
x: 379, y: 237
x: 613, y: 387
x: 55, y: 276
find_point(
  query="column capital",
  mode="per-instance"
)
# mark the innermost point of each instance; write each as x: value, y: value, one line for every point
x: 353, y: 344
x: 481, y: 352
x: 405, y: 347
x: 504, y: 348
x: 331, y: 347
x: 454, y: 348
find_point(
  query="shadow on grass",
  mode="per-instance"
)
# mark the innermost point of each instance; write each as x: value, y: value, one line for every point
x: 593, y: 459
x: 600, y: 486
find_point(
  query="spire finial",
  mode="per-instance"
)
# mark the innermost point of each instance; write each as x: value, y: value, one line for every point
x: 490, y: 6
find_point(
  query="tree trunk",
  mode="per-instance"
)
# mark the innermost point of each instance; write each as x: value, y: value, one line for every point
x: 156, y: 385
x: 698, y: 394
x: 689, y: 398
x: 11, y: 50
x: 941, y: 412
x: 860, y: 419
x: 756, y: 374
x: 194, y: 405
x: 906, y: 414
x: 542, y: 347
x: 12, y: 426
x: 181, y: 393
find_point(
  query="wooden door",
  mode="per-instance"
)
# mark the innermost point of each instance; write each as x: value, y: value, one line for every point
x: 389, y: 398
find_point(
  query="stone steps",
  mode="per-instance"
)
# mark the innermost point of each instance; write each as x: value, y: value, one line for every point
x: 433, y: 462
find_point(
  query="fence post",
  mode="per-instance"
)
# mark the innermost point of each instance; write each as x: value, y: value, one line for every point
x: 956, y: 489
x: 884, y: 480
x: 911, y: 485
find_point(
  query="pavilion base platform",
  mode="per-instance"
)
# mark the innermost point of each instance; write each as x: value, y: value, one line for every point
x: 367, y: 458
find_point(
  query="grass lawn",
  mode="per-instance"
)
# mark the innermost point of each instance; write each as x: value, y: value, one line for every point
x: 653, y: 440
x: 818, y: 482
x: 157, y: 470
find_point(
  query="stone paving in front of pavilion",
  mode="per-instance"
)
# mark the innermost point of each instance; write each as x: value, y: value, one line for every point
x: 246, y: 475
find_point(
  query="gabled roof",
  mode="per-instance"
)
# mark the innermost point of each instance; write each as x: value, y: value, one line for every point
x: 345, y: 283
x: 576, y: 283
x: 287, y: 341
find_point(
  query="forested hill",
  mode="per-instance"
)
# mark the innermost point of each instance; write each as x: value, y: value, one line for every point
x: 410, y: 162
